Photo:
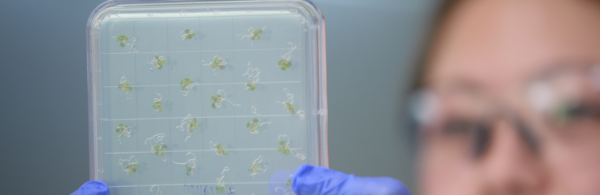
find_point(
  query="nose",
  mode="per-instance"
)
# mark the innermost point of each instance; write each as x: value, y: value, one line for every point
x: 511, y: 166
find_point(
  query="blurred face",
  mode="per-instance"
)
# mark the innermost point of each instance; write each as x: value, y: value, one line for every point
x: 514, y: 102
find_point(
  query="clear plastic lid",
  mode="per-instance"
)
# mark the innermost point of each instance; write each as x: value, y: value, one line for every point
x: 206, y: 97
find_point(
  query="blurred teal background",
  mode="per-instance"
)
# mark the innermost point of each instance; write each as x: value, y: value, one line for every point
x: 372, y: 47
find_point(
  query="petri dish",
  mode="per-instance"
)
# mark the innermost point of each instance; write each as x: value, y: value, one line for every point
x: 206, y: 97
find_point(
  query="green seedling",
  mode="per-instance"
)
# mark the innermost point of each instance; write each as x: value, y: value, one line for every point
x: 186, y: 85
x: 217, y: 99
x: 254, y: 168
x: 253, y: 125
x: 220, y: 183
x: 220, y: 189
x: 192, y: 125
x: 221, y: 150
x: 158, y: 149
x: 283, y: 148
x: 256, y: 34
x: 131, y: 168
x: 123, y: 130
x: 122, y: 39
x: 187, y: 34
x: 158, y: 105
x: 288, y: 183
x: 220, y: 98
x: 124, y: 85
x: 218, y: 62
x: 250, y: 86
x: 284, y: 64
x: 190, y: 164
x: 253, y: 78
x: 158, y: 61
x: 289, y: 107
x: 188, y: 169
x: 188, y: 123
x: 253, y: 34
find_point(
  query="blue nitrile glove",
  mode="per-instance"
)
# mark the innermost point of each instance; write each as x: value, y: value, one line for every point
x: 92, y: 188
x: 321, y: 181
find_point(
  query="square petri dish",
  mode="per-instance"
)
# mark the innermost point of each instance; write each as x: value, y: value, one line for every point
x: 206, y: 97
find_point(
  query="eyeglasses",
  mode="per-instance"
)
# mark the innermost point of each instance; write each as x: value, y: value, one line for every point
x: 561, y: 102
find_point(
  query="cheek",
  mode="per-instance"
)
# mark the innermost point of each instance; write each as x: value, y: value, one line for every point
x: 445, y: 170
x: 575, y: 164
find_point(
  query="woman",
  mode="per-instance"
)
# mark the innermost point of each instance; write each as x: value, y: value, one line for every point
x: 508, y: 103
x: 512, y: 102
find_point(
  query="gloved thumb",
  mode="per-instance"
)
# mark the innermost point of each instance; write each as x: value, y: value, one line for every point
x: 321, y: 181
x: 92, y: 188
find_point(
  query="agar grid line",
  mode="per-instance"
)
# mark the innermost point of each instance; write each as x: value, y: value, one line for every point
x: 233, y: 78
x: 137, y: 141
x: 181, y: 184
x: 196, y: 51
x: 213, y: 15
x: 204, y: 129
x: 268, y: 78
x: 213, y: 117
x: 235, y: 83
x: 169, y: 96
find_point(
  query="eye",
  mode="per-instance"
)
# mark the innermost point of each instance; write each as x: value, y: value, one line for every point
x: 457, y: 127
x: 572, y: 112
x: 476, y: 133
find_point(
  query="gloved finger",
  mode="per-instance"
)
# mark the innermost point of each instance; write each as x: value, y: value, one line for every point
x: 321, y: 181
x: 92, y: 188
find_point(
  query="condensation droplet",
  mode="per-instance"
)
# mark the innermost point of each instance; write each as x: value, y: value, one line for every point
x: 322, y: 112
x: 216, y: 12
x: 183, y: 13
x: 293, y: 11
x: 97, y: 25
x: 301, y: 114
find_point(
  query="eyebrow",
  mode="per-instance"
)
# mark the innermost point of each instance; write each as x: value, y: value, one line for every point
x: 460, y: 84
x: 560, y: 66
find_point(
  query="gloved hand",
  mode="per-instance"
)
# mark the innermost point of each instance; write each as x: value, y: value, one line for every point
x: 92, y: 188
x: 321, y: 181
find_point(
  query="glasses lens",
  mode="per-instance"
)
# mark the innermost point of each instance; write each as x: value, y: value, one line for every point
x: 454, y: 119
x: 568, y: 100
